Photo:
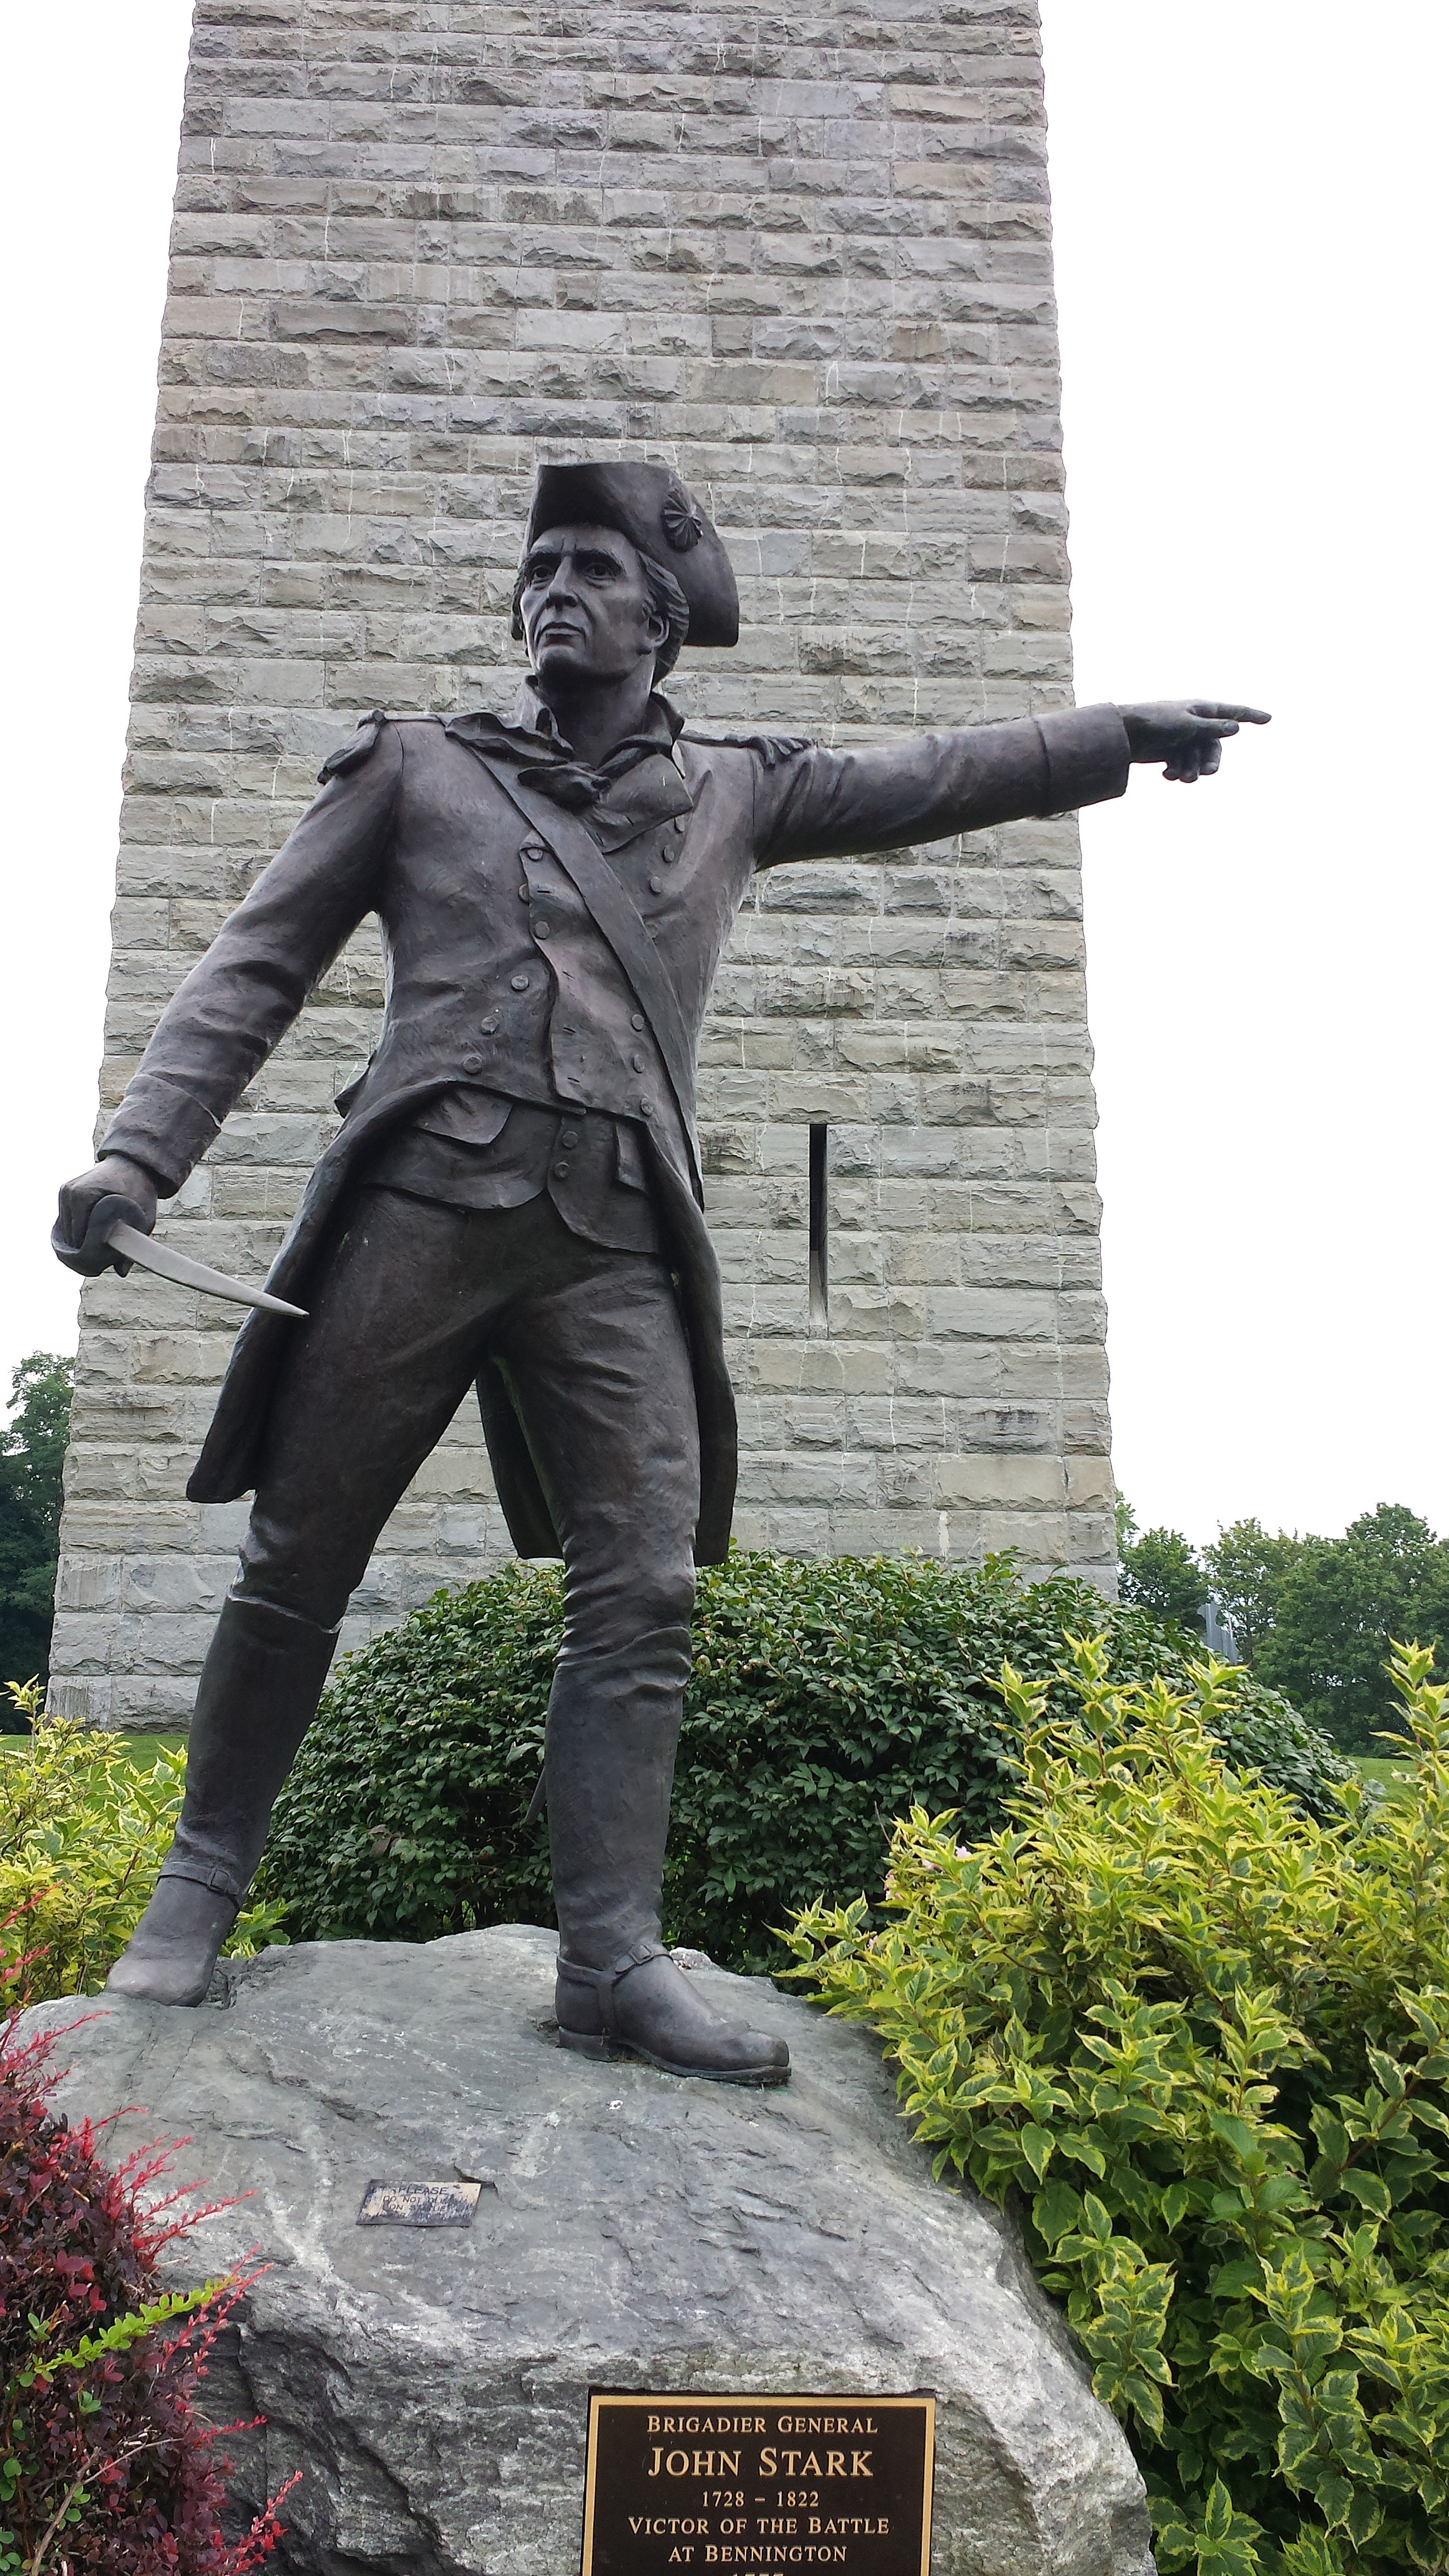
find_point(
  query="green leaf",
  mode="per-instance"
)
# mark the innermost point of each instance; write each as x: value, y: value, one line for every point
x: 1233, y: 2280
x: 1333, y: 2496
x: 1227, y: 2541
x: 1175, y: 2543
x: 1036, y: 2146
x: 1235, y: 2133
x: 1363, y: 2518
x: 1055, y: 2210
x: 1388, y: 2072
x: 1368, y: 2189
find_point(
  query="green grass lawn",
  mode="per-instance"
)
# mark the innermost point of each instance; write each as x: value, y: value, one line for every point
x: 1389, y: 1775
x: 141, y: 1749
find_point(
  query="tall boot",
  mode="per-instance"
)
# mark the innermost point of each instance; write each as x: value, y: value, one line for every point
x: 259, y: 1689
x: 613, y: 1724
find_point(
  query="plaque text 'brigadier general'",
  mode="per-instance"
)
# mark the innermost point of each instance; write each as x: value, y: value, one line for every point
x: 759, y: 2482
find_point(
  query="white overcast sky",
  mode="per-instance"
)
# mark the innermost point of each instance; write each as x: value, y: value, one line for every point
x: 1250, y: 255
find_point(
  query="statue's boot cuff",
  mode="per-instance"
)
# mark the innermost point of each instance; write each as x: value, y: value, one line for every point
x: 646, y: 2007
x: 258, y: 1691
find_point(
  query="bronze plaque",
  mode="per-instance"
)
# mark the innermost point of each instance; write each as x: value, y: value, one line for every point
x: 771, y: 2483
x: 419, y: 2204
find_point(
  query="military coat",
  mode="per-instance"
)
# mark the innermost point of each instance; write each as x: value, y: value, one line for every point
x: 547, y: 933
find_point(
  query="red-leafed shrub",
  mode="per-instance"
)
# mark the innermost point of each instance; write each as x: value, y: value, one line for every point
x: 105, y: 2468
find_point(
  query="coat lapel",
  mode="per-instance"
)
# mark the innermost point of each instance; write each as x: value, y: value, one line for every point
x: 616, y: 917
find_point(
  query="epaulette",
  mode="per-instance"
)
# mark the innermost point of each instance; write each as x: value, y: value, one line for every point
x: 349, y: 754
x: 772, y: 747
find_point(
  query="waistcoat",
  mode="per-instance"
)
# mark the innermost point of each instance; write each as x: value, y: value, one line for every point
x: 558, y: 1023
x: 560, y: 1030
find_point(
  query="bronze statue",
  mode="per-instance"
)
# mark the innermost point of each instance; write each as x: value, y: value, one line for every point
x: 514, y: 1199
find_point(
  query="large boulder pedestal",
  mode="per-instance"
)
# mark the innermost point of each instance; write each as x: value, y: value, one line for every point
x: 633, y: 2231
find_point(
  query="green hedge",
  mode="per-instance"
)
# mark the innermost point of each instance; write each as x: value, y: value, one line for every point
x: 1201, y: 2042
x: 86, y: 1820
x: 827, y: 1699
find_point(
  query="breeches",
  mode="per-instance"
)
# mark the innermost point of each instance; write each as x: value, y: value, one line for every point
x: 590, y: 1343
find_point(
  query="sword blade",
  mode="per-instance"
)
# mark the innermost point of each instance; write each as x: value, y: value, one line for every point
x: 167, y: 1264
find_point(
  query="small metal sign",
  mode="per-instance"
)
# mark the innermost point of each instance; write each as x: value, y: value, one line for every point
x: 419, y: 2204
x: 769, y: 2483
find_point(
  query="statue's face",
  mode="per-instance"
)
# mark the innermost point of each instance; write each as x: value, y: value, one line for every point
x: 585, y: 606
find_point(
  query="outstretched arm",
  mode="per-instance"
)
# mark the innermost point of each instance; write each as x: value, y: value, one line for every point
x: 813, y: 804
x: 243, y: 995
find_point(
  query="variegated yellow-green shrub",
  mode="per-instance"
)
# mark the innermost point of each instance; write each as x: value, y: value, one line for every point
x: 1203, y: 2042
x: 84, y: 1829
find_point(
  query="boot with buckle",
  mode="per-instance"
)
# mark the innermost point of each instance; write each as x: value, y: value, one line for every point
x: 647, y: 2007
x: 613, y: 1724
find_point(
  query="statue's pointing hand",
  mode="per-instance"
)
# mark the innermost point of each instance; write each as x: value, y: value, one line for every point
x: 1186, y: 735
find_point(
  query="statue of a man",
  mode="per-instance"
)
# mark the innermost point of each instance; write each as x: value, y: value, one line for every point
x: 513, y: 1200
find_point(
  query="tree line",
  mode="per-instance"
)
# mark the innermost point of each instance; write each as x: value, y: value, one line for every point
x: 1315, y: 1617
x: 32, y: 1456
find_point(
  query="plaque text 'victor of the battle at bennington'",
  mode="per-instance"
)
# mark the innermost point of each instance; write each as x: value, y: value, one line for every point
x: 768, y: 2483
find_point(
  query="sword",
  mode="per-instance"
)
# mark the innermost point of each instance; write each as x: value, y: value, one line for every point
x: 113, y: 1242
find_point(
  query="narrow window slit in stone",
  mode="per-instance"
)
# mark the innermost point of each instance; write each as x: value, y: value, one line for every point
x: 819, y: 1233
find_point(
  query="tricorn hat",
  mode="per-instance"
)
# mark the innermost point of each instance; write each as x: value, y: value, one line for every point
x: 649, y: 505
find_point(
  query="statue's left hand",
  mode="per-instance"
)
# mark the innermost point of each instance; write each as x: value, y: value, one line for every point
x: 1186, y: 735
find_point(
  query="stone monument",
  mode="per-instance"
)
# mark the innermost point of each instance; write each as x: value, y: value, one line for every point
x: 803, y: 257
x: 516, y: 1197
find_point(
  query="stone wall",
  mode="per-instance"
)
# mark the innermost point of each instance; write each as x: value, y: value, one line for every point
x: 804, y: 256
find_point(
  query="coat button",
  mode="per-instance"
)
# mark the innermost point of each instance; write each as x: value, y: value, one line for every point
x: 669, y: 857
x: 646, y: 1108
x: 570, y: 1136
x: 489, y: 1028
x: 533, y: 850
x: 656, y: 885
x: 525, y: 894
x: 541, y: 929
x: 472, y: 1064
x: 638, y: 1062
x: 637, y: 1022
x: 679, y: 822
x: 560, y: 1171
x: 519, y: 983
